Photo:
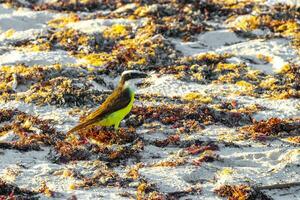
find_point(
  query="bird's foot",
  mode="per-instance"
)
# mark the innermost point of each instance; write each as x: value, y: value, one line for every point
x: 118, y: 133
x: 98, y: 128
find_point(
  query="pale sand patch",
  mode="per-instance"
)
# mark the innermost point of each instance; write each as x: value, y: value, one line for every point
x: 36, y: 58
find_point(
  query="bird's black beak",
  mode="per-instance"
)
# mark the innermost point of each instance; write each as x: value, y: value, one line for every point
x: 139, y: 75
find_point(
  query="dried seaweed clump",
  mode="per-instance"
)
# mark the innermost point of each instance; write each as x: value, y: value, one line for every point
x: 9, y: 33
x: 71, y: 40
x: 101, y: 175
x: 62, y: 91
x: 21, y: 145
x: 272, y: 127
x: 278, y: 20
x: 281, y: 19
x: 143, y: 51
x: 9, y: 191
x: 65, y: 152
x: 61, y: 22
x: 40, y: 44
x: 44, y: 189
x: 150, y: 191
x: 117, y: 31
x: 235, y: 107
x: 206, y: 156
x: 294, y: 139
x: 29, y: 131
x: 181, y: 19
x: 207, y: 68
x: 214, y: 68
x: 282, y: 85
x: 105, y: 144
x: 68, y: 39
x: 52, y: 84
x: 145, y: 190
x: 196, y: 149
x: 171, y: 140
x: 235, y: 7
x: 186, y: 118
x: 105, y: 136
x: 195, y: 96
x: 288, y: 84
x: 234, y: 192
x: 21, y: 75
x: 120, y: 154
x: 7, y: 114
x: 97, y: 143
x: 176, y: 19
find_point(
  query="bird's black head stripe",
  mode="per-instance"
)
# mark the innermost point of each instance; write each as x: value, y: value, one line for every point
x: 133, y: 75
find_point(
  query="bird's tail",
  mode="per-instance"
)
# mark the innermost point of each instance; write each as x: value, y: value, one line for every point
x: 80, y: 126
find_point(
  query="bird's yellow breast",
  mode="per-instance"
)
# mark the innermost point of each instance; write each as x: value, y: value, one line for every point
x: 116, y: 117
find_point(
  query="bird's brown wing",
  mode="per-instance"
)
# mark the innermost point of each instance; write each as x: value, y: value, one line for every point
x: 117, y: 100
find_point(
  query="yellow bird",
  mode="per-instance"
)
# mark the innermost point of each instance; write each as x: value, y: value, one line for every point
x: 116, y: 106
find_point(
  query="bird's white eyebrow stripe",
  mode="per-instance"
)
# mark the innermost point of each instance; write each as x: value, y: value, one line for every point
x: 131, y: 71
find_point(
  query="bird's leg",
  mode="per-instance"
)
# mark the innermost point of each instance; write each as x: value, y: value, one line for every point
x: 116, y: 127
